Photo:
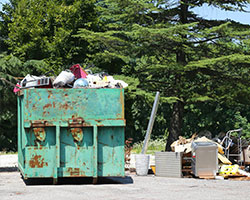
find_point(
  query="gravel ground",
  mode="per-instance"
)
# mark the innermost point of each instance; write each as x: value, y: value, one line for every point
x: 9, y: 160
x: 150, y: 187
x: 12, y: 186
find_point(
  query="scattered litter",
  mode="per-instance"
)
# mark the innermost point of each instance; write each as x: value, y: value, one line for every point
x: 223, y: 159
x: 244, y: 172
x: 229, y: 169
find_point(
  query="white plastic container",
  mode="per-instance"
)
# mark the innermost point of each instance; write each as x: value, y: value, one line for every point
x: 142, y: 164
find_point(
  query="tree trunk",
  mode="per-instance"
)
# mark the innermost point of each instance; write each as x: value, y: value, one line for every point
x: 175, y: 124
x: 178, y: 107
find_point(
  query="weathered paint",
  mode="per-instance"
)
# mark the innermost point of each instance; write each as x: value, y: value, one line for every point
x: 37, y: 161
x: 40, y: 133
x: 71, y: 132
x: 77, y: 134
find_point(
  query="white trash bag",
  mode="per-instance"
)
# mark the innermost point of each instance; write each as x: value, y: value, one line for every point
x: 65, y: 77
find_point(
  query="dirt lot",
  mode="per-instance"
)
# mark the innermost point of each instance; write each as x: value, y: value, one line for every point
x: 12, y: 186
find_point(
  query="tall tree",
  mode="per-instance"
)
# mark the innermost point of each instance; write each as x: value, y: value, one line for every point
x: 43, y: 29
x: 171, y: 49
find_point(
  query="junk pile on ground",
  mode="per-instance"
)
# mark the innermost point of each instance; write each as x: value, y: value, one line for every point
x: 218, y: 158
x: 75, y: 77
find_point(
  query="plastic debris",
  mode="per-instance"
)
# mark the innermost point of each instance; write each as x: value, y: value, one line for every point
x: 81, y: 83
x: 30, y: 81
x: 78, y: 71
x: 229, y: 169
x: 17, y: 88
x: 65, y: 77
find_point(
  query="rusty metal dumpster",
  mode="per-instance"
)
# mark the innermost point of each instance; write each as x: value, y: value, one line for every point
x: 71, y: 133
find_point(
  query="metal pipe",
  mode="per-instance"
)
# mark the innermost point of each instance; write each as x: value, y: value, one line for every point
x: 151, y: 123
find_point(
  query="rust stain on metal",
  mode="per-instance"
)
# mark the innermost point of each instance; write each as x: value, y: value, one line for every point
x: 39, y: 133
x: 66, y: 95
x: 48, y: 105
x: 54, y: 104
x: 84, y: 163
x: 76, y: 130
x: 37, y: 162
x: 77, y: 122
x: 73, y: 171
x: 77, y: 134
x: 122, y: 104
x: 41, y: 123
x: 66, y: 106
x: 50, y: 94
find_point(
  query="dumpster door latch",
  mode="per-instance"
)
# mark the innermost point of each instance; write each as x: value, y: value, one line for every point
x: 77, y: 134
x: 40, y: 134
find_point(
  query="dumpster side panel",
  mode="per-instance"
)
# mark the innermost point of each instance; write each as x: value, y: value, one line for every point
x: 40, y: 162
x: 76, y: 156
x: 111, y: 151
x: 65, y: 104
x: 21, y: 134
x: 40, y: 155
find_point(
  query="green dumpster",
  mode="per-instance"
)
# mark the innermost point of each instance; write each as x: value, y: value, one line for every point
x: 71, y: 133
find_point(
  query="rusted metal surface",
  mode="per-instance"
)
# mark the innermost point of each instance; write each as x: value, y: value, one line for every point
x: 37, y: 162
x: 77, y: 134
x: 40, y: 134
x: 75, y: 172
x: 76, y: 122
x: 86, y: 103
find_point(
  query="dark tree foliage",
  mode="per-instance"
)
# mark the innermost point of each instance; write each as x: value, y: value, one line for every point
x: 201, y: 67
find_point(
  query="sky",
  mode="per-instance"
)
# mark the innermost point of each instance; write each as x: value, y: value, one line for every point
x: 210, y: 13
x: 215, y: 13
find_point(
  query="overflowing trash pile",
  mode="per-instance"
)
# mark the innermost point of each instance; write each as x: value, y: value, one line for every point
x: 230, y: 163
x: 75, y: 77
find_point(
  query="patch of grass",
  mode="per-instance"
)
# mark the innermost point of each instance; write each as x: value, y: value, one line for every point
x: 7, y: 153
x: 153, y: 146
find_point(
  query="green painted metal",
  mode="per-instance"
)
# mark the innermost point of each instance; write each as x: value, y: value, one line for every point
x: 71, y: 132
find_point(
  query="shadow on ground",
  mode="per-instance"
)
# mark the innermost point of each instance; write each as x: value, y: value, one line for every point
x: 8, y: 169
x: 79, y: 181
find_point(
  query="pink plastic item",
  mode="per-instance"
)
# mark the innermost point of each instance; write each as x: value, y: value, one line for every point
x: 17, y: 88
x: 78, y: 71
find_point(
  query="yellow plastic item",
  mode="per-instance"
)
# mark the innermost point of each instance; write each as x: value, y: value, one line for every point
x: 153, y: 168
x: 229, y: 169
